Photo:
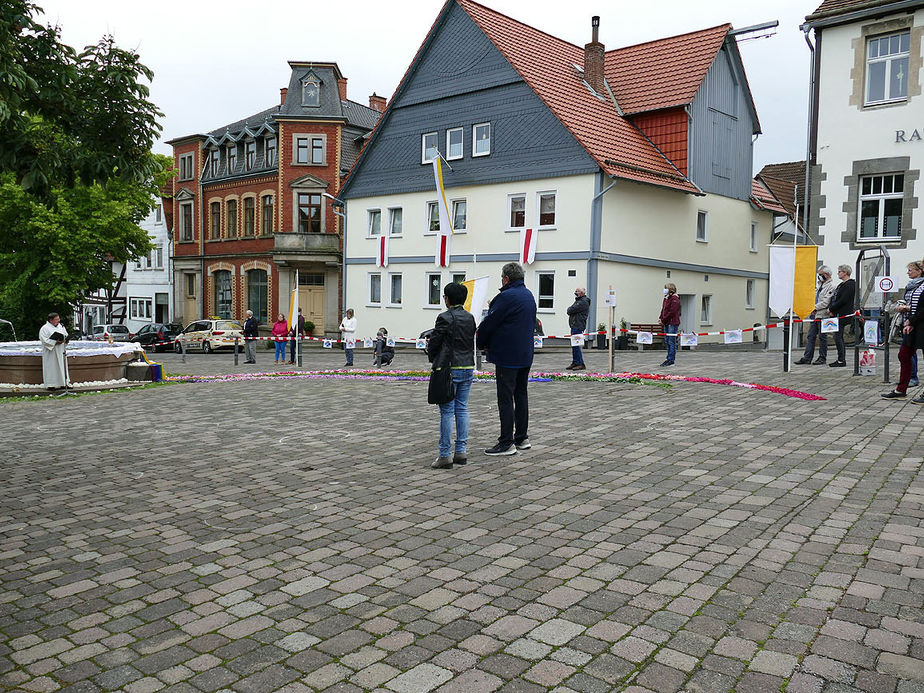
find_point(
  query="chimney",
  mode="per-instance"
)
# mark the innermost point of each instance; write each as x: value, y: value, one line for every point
x: 282, y: 95
x: 341, y: 85
x: 377, y: 102
x: 594, y: 54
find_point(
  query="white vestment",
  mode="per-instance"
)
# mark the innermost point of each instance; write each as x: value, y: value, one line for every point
x: 54, y: 359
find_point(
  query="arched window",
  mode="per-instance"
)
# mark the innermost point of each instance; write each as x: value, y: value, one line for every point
x: 256, y: 295
x: 222, y: 279
x: 311, y: 90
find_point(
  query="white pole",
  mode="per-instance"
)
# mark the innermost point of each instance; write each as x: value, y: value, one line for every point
x: 792, y: 325
x: 298, y: 352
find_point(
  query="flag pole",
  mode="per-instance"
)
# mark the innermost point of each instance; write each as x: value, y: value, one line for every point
x: 795, y: 237
x: 298, y: 351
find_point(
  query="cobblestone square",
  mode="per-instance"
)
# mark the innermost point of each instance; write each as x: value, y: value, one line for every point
x: 289, y: 535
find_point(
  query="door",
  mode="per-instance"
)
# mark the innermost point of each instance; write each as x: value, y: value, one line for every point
x: 687, y: 312
x: 311, y: 298
x: 161, y: 308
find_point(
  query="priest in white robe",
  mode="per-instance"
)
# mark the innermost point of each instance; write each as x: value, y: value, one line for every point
x: 53, y: 336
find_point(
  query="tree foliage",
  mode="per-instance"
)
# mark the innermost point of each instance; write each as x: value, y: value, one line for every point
x: 76, y: 169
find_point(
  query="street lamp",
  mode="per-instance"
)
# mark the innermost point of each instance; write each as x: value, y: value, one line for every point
x: 337, y: 202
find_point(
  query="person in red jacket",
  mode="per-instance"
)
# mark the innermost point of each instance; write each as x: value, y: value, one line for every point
x: 670, y: 318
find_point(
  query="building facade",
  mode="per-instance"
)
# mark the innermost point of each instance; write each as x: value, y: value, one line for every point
x: 867, y: 129
x: 252, y: 209
x: 149, y: 280
x: 632, y: 167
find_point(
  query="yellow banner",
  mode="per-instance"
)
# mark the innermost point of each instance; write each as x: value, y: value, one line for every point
x: 803, y: 290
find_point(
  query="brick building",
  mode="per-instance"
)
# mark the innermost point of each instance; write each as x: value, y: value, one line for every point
x: 249, y: 205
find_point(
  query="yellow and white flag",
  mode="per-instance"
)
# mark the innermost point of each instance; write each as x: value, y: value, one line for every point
x: 445, y: 219
x: 477, y: 296
x: 293, y: 305
x: 792, y: 279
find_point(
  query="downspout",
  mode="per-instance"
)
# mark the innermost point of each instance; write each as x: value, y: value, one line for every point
x: 596, y: 234
x: 811, y: 132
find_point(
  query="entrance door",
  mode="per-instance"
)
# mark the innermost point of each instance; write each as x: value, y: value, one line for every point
x: 161, y: 308
x: 311, y: 298
x: 687, y: 312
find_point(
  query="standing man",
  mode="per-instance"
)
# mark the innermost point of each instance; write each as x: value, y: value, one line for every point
x: 250, y: 338
x: 53, y: 336
x: 577, y: 321
x: 822, y: 299
x: 842, y: 301
x: 296, y: 333
x: 670, y: 318
x: 348, y: 331
x: 507, y: 333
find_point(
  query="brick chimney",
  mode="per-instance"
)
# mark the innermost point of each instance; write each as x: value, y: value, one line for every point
x: 594, y: 53
x: 341, y: 85
x: 282, y: 95
x: 377, y: 102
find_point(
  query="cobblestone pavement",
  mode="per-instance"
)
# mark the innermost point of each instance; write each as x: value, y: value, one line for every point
x: 288, y: 535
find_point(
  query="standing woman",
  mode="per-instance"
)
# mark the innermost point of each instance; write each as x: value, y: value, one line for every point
x: 670, y: 318
x: 281, y: 335
x: 912, y: 331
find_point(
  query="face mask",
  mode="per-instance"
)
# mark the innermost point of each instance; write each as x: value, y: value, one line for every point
x: 666, y: 292
x: 577, y: 295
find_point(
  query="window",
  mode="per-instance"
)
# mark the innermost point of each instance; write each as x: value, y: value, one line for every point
x: 881, y: 207
x: 250, y: 154
x: 546, y: 209
x: 267, y: 215
x: 159, y: 257
x: 311, y: 91
x: 309, y: 213
x: 317, y: 150
x: 147, y: 260
x: 705, y: 312
x: 215, y: 220
x: 454, y: 143
x: 749, y: 294
x: 394, y: 283
x: 375, y: 223
x: 249, y: 208
x: 546, y: 293
x: 270, y: 147
x: 232, y: 158
x: 257, y: 294
x: 458, y: 278
x: 301, y: 150
x: 755, y: 237
x: 186, y: 222
x: 158, y: 212
x: 214, y: 162
x: 702, y: 226
x: 395, y: 221
x: 140, y: 308
x: 186, y: 167
x: 434, y: 281
x: 428, y: 147
x: 433, y: 217
x: 190, y: 285
x: 222, y: 279
x: 517, y: 205
x: 375, y: 289
x: 887, y: 68
x: 231, y: 219
x: 481, y: 136
x: 459, y: 213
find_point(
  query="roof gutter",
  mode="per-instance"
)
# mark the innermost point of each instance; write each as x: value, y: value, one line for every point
x: 874, y: 11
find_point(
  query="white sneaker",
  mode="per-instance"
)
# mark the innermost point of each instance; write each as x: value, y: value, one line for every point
x: 524, y: 444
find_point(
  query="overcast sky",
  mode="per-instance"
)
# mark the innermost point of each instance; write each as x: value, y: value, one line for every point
x: 216, y: 61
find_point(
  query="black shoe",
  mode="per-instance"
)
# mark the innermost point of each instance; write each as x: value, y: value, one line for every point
x: 441, y: 463
x: 918, y: 400
x: 579, y: 367
x: 502, y: 450
x: 838, y: 364
x: 523, y: 444
x: 571, y: 366
x: 347, y: 365
x: 666, y: 363
x: 802, y: 361
x: 460, y: 458
x: 895, y: 394
x: 818, y: 362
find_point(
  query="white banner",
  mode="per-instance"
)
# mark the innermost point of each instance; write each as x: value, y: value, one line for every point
x: 782, y: 278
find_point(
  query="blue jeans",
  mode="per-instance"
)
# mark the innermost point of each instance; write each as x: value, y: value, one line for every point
x: 576, y: 355
x: 671, y: 342
x: 822, y: 337
x: 349, y: 356
x: 456, y: 409
x: 280, y: 351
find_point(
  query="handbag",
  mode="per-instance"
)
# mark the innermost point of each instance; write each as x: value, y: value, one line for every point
x: 441, y: 388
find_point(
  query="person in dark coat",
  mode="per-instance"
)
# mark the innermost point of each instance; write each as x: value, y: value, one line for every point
x: 296, y: 334
x: 842, y: 303
x: 384, y: 354
x: 250, y: 338
x: 507, y: 334
x: 577, y: 321
x: 912, y: 316
x: 455, y: 332
x: 670, y: 318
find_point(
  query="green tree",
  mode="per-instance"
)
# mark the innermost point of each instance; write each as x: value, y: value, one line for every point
x: 77, y: 173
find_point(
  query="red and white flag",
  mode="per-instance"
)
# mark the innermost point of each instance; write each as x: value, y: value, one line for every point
x: 381, y: 251
x: 442, y: 251
x: 528, y: 246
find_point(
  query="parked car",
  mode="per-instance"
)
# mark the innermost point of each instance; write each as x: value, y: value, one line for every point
x: 158, y: 335
x: 102, y: 333
x: 209, y: 335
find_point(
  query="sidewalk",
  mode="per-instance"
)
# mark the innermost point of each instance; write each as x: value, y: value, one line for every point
x: 285, y: 534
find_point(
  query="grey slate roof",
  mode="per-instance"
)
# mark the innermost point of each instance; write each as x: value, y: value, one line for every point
x: 254, y: 121
x: 357, y: 114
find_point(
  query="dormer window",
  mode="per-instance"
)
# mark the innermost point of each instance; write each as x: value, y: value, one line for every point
x: 232, y: 158
x: 270, y: 151
x: 311, y: 90
x: 214, y: 162
x: 250, y: 154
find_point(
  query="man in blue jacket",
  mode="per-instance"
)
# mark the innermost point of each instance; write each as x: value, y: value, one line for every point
x: 507, y: 333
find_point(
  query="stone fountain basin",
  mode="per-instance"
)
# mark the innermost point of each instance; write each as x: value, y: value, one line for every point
x: 21, y: 362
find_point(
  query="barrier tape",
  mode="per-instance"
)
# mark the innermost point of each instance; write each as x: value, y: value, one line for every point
x: 586, y: 335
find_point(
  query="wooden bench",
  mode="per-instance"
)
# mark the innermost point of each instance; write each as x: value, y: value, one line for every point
x: 657, y: 341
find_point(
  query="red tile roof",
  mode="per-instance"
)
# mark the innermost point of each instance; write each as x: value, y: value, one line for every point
x: 547, y: 64
x: 664, y: 73
x: 764, y: 199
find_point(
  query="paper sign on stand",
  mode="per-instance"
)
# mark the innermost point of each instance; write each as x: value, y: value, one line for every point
x: 610, y: 298
x: 577, y: 340
x: 643, y: 338
x: 390, y: 342
x: 733, y: 337
x: 829, y: 325
x: 351, y: 344
x: 689, y: 340
x: 421, y: 344
x: 537, y: 342
x: 368, y: 342
x: 871, y: 332
x: 328, y: 344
